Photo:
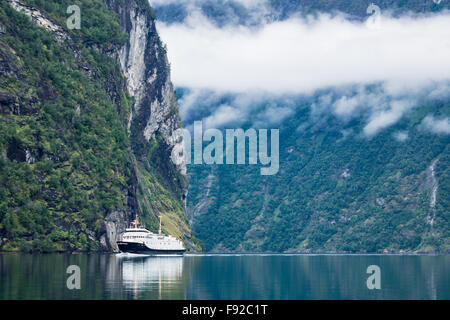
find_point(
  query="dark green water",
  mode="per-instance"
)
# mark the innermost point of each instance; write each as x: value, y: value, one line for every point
x: 43, y: 276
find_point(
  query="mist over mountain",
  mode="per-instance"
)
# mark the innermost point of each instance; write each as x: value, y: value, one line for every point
x: 302, y: 55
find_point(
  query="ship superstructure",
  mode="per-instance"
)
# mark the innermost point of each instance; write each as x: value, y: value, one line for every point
x: 138, y: 239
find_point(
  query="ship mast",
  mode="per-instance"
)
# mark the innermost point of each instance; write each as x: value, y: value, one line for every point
x: 159, y: 231
x: 136, y: 221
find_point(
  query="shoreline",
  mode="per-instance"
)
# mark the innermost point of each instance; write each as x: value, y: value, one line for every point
x: 247, y: 253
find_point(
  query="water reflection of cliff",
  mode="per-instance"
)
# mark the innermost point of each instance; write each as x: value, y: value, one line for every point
x: 146, y: 277
x: 274, y: 277
x: 260, y: 277
x: 265, y: 277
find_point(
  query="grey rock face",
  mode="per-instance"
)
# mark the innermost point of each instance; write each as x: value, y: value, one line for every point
x: 144, y: 62
x: 115, y: 223
x: 40, y: 19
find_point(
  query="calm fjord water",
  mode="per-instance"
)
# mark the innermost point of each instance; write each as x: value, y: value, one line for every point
x: 43, y: 276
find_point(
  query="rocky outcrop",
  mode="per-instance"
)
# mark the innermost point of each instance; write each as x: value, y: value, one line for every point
x: 40, y: 19
x: 115, y: 222
x: 433, y: 182
x: 205, y: 201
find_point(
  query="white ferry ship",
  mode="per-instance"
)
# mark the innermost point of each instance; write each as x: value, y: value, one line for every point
x: 139, y: 240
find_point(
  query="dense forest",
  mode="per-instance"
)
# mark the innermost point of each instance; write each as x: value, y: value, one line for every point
x: 72, y: 163
x: 223, y: 12
x: 336, y: 190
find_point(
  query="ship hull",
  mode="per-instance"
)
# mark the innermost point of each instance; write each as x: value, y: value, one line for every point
x: 139, y: 248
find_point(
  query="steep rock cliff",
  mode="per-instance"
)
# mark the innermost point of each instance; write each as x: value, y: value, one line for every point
x: 137, y: 82
x: 154, y: 118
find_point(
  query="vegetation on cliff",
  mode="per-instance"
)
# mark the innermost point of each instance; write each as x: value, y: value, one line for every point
x: 336, y: 190
x: 66, y: 154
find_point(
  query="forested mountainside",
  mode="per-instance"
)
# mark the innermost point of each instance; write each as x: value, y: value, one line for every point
x: 224, y: 12
x: 87, y: 117
x: 336, y: 190
x: 339, y: 188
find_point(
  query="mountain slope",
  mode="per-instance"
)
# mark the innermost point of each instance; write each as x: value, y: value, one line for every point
x: 229, y: 12
x: 87, y: 118
x: 336, y: 190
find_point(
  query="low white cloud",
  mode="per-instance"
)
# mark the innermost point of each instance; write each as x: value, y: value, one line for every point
x: 221, y: 109
x: 401, y: 136
x: 436, y: 125
x: 272, y: 116
x: 301, y: 55
x: 378, y: 74
x: 222, y: 116
x: 378, y: 107
x: 385, y: 118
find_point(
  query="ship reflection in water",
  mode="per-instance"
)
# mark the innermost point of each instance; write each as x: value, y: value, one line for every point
x: 147, y: 277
